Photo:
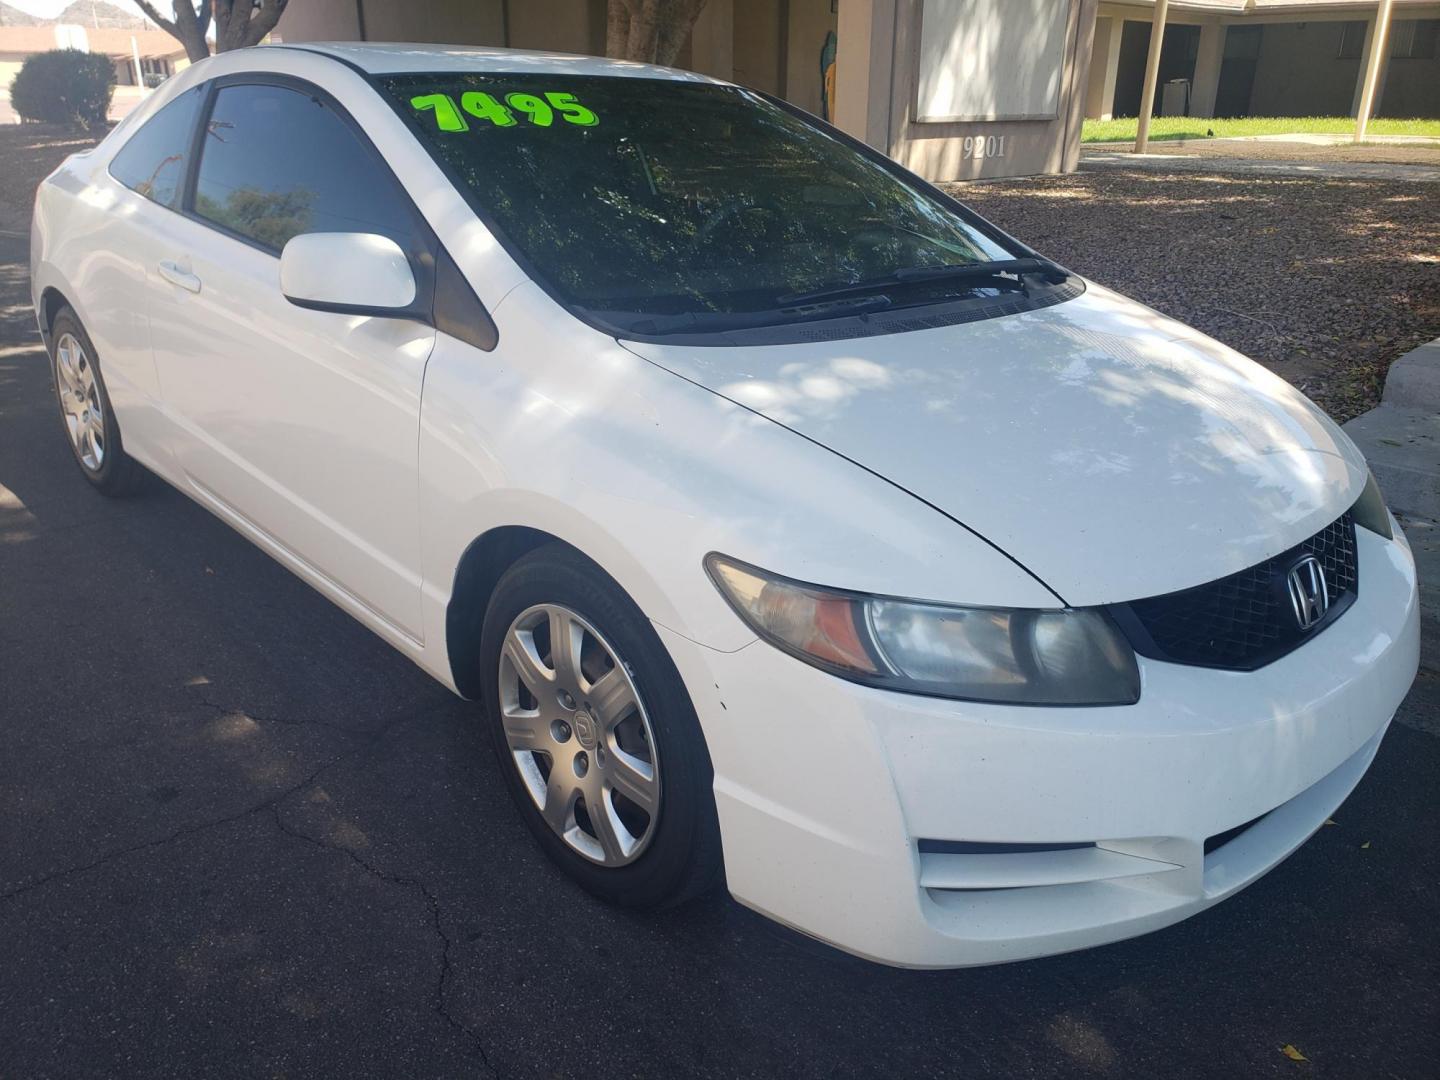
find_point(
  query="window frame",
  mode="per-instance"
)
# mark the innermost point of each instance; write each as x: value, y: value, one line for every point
x: 1355, y: 51
x: 1414, y: 39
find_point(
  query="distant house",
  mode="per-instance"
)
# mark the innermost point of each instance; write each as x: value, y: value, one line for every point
x: 160, y: 55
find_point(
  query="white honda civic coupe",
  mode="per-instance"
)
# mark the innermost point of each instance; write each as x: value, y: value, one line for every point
x: 796, y: 528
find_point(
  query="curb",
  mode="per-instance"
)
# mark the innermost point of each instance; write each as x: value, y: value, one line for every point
x: 1401, y: 435
x: 1400, y: 438
x: 1413, y: 381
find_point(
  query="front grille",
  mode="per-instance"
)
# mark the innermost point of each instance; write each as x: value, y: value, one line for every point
x: 1244, y: 621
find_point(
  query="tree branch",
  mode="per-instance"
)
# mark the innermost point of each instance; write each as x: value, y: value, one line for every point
x: 154, y: 16
x: 617, y: 28
x: 263, y: 19
x: 185, y: 27
x: 644, y: 31
x: 650, y: 31
x: 675, y: 28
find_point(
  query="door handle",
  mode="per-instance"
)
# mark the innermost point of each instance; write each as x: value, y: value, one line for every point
x: 176, y: 275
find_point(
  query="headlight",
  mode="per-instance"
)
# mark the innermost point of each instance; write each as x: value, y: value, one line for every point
x: 1018, y: 657
x: 1370, y: 512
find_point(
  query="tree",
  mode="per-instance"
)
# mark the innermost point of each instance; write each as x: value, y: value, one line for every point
x: 649, y: 31
x: 64, y: 86
x: 238, y: 23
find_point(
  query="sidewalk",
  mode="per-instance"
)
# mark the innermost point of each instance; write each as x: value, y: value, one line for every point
x: 1333, y: 157
x: 1091, y: 157
x: 1401, y: 439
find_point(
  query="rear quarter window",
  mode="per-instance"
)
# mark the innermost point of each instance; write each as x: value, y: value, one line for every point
x: 153, y: 161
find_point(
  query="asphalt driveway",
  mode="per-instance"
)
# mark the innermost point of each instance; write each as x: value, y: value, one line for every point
x: 241, y: 836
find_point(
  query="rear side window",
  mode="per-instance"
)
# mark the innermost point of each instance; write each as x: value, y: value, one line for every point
x: 152, y: 162
x: 277, y: 163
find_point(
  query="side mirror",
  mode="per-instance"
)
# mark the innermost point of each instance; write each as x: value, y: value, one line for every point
x: 348, y: 273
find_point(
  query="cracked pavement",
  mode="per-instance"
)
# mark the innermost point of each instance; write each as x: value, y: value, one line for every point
x: 241, y: 836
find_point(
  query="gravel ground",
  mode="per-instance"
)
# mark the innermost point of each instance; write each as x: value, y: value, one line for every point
x: 1260, y: 150
x: 1325, y: 282
x: 29, y: 152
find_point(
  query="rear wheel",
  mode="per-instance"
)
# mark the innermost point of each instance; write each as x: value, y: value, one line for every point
x: 85, y: 411
x: 596, y: 735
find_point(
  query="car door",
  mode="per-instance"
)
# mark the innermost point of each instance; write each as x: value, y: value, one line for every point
x: 296, y: 424
x: 112, y: 232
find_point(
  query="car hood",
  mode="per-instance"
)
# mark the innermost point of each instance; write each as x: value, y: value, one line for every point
x: 1113, y: 452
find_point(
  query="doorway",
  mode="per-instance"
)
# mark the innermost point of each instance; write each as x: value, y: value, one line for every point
x: 1177, y: 61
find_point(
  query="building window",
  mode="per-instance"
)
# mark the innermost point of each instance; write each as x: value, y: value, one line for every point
x: 1352, y: 40
x: 1414, y: 39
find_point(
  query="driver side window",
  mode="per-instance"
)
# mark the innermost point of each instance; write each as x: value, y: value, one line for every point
x: 277, y: 163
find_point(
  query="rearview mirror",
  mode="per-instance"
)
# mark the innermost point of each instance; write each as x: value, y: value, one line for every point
x: 349, y: 273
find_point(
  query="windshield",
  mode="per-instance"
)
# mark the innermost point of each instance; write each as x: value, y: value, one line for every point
x: 636, y: 198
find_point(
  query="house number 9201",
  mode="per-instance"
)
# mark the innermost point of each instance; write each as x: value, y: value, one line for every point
x: 983, y: 146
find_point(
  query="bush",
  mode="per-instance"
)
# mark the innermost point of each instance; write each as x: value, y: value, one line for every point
x: 64, y: 86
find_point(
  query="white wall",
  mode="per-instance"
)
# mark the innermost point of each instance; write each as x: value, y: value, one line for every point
x: 991, y: 59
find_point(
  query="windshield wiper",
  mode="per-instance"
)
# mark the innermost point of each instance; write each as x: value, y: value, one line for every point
x: 998, y: 270
x: 714, y: 322
x: 859, y: 298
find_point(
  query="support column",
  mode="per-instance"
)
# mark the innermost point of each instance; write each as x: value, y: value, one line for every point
x: 864, y: 62
x: 1208, y: 59
x: 1104, y: 68
x: 1375, y: 63
x: 1152, y: 73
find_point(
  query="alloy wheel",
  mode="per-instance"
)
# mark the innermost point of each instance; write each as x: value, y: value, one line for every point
x: 579, y: 734
x: 80, y: 402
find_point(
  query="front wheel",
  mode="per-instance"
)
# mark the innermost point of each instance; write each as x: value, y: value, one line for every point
x: 596, y: 734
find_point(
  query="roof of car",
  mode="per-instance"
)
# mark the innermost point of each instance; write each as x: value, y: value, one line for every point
x: 389, y: 58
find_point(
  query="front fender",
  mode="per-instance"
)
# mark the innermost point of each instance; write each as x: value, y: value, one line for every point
x: 562, y: 430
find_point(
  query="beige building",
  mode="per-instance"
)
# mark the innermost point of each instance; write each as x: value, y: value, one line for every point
x: 159, y: 54
x: 961, y: 89
x: 952, y: 88
x: 1265, y: 58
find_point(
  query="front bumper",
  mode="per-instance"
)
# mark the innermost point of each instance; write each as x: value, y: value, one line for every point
x: 825, y: 788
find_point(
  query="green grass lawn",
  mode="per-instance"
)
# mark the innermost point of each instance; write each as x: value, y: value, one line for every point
x: 1198, y: 127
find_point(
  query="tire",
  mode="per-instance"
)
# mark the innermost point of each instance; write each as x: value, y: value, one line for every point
x: 651, y: 860
x: 80, y: 392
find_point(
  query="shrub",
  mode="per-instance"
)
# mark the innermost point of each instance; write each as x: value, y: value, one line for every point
x: 64, y: 86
